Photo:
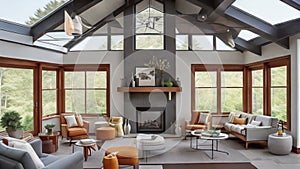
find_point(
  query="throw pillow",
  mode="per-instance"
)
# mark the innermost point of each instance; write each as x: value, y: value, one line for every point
x: 203, y: 118
x: 23, y: 145
x: 256, y: 123
x: 71, y: 121
x: 79, y: 120
x: 237, y: 120
x: 232, y: 115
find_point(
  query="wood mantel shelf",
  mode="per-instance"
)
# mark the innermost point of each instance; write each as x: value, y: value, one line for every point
x: 149, y: 89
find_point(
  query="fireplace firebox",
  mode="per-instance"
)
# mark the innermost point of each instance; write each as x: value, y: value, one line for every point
x: 150, y: 119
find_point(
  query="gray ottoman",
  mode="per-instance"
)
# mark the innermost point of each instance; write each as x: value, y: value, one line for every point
x: 280, y: 145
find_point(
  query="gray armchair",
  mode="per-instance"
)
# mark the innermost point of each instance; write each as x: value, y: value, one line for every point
x: 16, y: 159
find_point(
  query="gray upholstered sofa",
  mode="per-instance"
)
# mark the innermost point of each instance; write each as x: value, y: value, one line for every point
x: 11, y: 158
x: 257, y: 128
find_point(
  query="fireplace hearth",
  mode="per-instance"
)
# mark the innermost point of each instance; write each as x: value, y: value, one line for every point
x: 150, y: 119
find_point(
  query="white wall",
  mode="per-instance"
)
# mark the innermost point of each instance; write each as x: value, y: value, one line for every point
x: 268, y: 52
x: 19, y: 51
x: 183, y: 71
x: 115, y: 59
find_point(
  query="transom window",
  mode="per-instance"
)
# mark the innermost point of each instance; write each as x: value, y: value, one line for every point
x: 149, y: 25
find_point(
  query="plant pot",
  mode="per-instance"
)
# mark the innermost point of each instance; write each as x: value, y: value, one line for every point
x: 49, y: 131
x: 18, y: 133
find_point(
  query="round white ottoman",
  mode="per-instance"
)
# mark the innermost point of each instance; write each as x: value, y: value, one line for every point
x: 99, y: 124
x: 149, y: 142
x: 280, y: 145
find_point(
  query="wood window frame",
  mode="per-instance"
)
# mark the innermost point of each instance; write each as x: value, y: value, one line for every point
x: 88, y: 67
x: 266, y: 66
x: 218, y: 69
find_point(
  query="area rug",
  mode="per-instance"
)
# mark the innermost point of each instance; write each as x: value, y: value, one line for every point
x: 177, y: 151
x: 210, y: 166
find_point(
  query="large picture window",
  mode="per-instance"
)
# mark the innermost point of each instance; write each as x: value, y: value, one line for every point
x: 16, y: 93
x: 218, y: 89
x: 279, y: 90
x: 231, y: 91
x: 49, y: 92
x: 87, y: 91
x: 257, y: 92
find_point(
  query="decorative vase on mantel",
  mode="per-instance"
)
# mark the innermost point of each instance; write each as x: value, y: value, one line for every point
x: 159, y: 78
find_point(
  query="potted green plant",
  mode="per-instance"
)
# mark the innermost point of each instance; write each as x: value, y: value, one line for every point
x: 49, y: 128
x: 11, y: 121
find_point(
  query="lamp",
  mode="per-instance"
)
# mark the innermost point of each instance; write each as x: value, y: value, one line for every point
x: 202, y: 16
x: 229, y: 39
x: 74, y: 26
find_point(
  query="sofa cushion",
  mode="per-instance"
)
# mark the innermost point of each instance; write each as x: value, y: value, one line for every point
x: 255, y: 123
x: 79, y: 120
x: 203, y: 118
x: 232, y: 115
x: 25, y: 146
x: 249, y: 117
x: 48, y: 159
x: 265, y: 120
x: 228, y: 126
x: 71, y: 121
x: 195, y: 126
x: 237, y: 120
x: 239, y: 129
x: 77, y: 131
x: 21, y: 156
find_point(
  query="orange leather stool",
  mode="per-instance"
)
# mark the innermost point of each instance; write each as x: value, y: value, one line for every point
x: 105, y: 133
x: 127, y: 155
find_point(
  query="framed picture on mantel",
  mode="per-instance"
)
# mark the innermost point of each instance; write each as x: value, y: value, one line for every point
x: 145, y: 76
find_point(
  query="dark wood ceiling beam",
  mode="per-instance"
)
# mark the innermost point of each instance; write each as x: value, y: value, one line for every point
x: 293, y: 3
x: 214, y: 8
x: 258, y: 26
x: 289, y: 28
x: 101, y: 23
x: 245, y: 45
x: 15, y: 28
x: 56, y: 18
x: 259, y: 41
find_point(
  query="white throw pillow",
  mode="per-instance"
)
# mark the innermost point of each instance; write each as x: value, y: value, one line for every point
x: 256, y: 123
x: 25, y: 146
x: 203, y: 118
x: 71, y: 121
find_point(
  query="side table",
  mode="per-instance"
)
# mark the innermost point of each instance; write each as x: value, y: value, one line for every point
x: 280, y: 145
x: 53, y: 137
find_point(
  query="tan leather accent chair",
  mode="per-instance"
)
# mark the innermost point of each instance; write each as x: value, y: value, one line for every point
x: 196, y: 123
x: 75, y: 132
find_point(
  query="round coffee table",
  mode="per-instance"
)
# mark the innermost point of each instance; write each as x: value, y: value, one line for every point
x: 86, y: 148
x: 214, y: 142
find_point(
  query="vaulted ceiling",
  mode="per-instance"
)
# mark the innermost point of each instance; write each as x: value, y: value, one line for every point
x: 199, y: 12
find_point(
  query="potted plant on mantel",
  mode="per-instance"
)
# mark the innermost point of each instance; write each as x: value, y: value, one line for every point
x: 49, y: 128
x: 11, y: 121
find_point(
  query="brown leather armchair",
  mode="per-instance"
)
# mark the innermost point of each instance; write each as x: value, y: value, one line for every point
x: 76, y: 132
x: 196, y: 124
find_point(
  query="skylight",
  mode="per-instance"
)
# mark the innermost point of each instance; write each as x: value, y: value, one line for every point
x: 25, y: 12
x: 247, y: 35
x: 55, y: 38
x: 271, y: 11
